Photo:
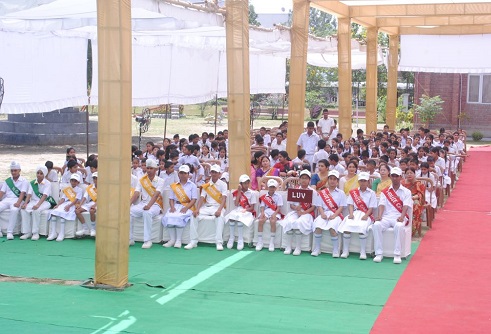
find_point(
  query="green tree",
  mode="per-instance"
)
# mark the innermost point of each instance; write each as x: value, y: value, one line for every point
x: 253, y: 16
x: 428, y: 108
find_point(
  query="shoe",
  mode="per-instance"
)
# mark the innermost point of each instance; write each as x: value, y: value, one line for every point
x: 259, y: 246
x: 336, y: 254
x: 82, y: 233
x: 397, y: 260
x: 191, y: 245
x: 271, y: 247
x: 10, y: 236
x: 345, y: 255
x: 240, y: 245
x: 178, y: 244
x: 35, y: 237
x: 169, y: 243
x: 219, y: 247
x: 315, y: 252
x: 288, y: 251
x: 363, y: 256
x: 52, y: 237
x: 230, y: 244
x: 147, y: 244
x: 92, y: 233
x: 61, y: 237
x: 26, y: 236
x: 297, y: 251
x: 378, y: 258
x: 132, y: 242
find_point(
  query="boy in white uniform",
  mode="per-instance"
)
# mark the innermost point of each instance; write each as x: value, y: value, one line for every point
x: 394, y: 207
x: 330, y: 201
x: 243, y: 214
x: 361, y: 203
x: 14, y: 188
x: 88, y: 203
x: 150, y: 186
x: 38, y: 199
x: 65, y: 210
x: 270, y: 206
x: 211, y: 203
x: 182, y: 197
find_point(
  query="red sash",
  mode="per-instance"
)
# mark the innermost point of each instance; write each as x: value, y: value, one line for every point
x: 360, y: 204
x: 330, y: 202
x: 306, y: 206
x: 243, y: 202
x: 268, y: 200
x: 393, y: 199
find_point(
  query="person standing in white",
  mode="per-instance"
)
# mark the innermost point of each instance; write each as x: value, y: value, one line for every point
x: 325, y: 127
x: 361, y: 203
x: 88, y: 203
x: 394, y: 209
x: 182, y: 197
x: 150, y: 186
x: 331, y: 201
x: 308, y: 141
x: 270, y: 207
x: 210, y: 204
x: 244, y: 199
x: 38, y: 199
x: 13, y: 192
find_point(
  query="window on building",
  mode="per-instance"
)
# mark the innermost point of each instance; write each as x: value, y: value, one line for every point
x: 479, y: 88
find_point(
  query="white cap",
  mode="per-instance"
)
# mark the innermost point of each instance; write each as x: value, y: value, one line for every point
x: 225, y: 176
x: 333, y: 173
x: 215, y: 168
x: 305, y: 172
x: 272, y: 183
x: 364, y: 176
x: 396, y: 170
x: 14, y: 165
x: 244, y: 178
x: 151, y: 163
x: 184, y: 169
x: 75, y: 177
x: 43, y: 170
x: 94, y: 175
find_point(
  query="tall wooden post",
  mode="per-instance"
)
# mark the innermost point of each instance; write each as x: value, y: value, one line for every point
x: 371, y: 105
x: 390, y: 112
x: 344, y: 76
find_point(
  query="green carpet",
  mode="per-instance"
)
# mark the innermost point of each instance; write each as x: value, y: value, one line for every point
x: 267, y: 292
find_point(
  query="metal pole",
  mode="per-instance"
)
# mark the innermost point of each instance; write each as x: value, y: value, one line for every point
x: 165, y: 124
x: 87, y: 129
x: 216, y: 112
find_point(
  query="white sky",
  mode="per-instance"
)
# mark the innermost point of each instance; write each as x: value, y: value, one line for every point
x: 271, y: 6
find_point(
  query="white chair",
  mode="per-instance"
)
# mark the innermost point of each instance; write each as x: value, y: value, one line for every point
x: 4, y: 222
x: 156, y: 229
x: 306, y: 239
x: 267, y: 226
x: 388, y: 243
x: 248, y: 232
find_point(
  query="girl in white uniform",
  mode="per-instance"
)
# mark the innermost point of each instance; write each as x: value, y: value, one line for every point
x: 270, y: 207
x: 88, y: 203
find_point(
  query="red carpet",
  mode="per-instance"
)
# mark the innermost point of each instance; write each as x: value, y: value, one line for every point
x: 446, y: 287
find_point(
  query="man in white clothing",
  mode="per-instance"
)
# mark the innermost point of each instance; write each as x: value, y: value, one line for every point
x: 308, y: 141
x: 394, y: 210
x: 14, y: 188
x: 326, y: 126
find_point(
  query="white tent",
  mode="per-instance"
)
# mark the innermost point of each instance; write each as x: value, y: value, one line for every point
x: 178, y: 55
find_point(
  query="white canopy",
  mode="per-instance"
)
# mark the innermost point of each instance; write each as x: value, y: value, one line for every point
x: 178, y: 55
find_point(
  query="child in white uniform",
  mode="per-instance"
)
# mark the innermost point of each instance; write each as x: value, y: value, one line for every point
x: 270, y: 206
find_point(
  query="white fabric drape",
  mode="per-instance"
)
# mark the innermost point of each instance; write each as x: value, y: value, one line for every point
x: 42, y: 72
x: 446, y: 54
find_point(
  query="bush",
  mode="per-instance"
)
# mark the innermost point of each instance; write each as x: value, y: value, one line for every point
x: 477, y: 136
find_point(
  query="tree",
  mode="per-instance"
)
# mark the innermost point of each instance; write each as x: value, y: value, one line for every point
x: 428, y: 108
x: 253, y: 16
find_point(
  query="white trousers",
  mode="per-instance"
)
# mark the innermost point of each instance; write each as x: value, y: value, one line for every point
x: 380, y: 226
x: 8, y: 203
x: 207, y: 212
x: 137, y: 211
x: 32, y: 216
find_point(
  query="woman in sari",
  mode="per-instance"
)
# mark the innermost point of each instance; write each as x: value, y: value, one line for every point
x: 255, y: 164
x: 418, y: 190
x: 349, y: 181
x: 319, y: 180
x: 384, y: 182
x: 265, y: 170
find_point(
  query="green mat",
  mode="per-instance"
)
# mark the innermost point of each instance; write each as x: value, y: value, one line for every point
x: 267, y: 292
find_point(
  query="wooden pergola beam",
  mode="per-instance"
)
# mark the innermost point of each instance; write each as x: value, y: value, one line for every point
x: 447, y: 30
x: 420, y: 21
x: 475, y: 8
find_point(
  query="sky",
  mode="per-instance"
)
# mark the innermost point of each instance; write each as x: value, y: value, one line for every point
x: 271, y: 6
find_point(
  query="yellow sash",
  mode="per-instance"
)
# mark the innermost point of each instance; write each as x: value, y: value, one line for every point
x: 150, y: 189
x: 70, y: 193
x: 92, y: 191
x: 351, y: 184
x: 382, y: 185
x: 213, y: 192
x: 181, y: 195
x: 132, y: 191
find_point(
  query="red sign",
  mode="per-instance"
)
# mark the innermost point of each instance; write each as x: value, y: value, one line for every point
x: 300, y: 195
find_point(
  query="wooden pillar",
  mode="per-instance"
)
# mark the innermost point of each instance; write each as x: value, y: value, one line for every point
x: 371, y: 106
x: 344, y: 74
x: 113, y: 202
x: 298, y: 73
x: 390, y: 112
x: 238, y: 86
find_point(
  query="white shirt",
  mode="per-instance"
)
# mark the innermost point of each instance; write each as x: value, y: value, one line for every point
x: 157, y: 182
x: 308, y: 143
x: 325, y: 125
x: 337, y: 195
x: 404, y: 194
x: 169, y: 179
x: 67, y: 175
x: 44, y: 189
x: 368, y: 196
x: 221, y: 187
x: 21, y: 184
x: 279, y: 147
x: 277, y: 199
x: 78, y: 191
